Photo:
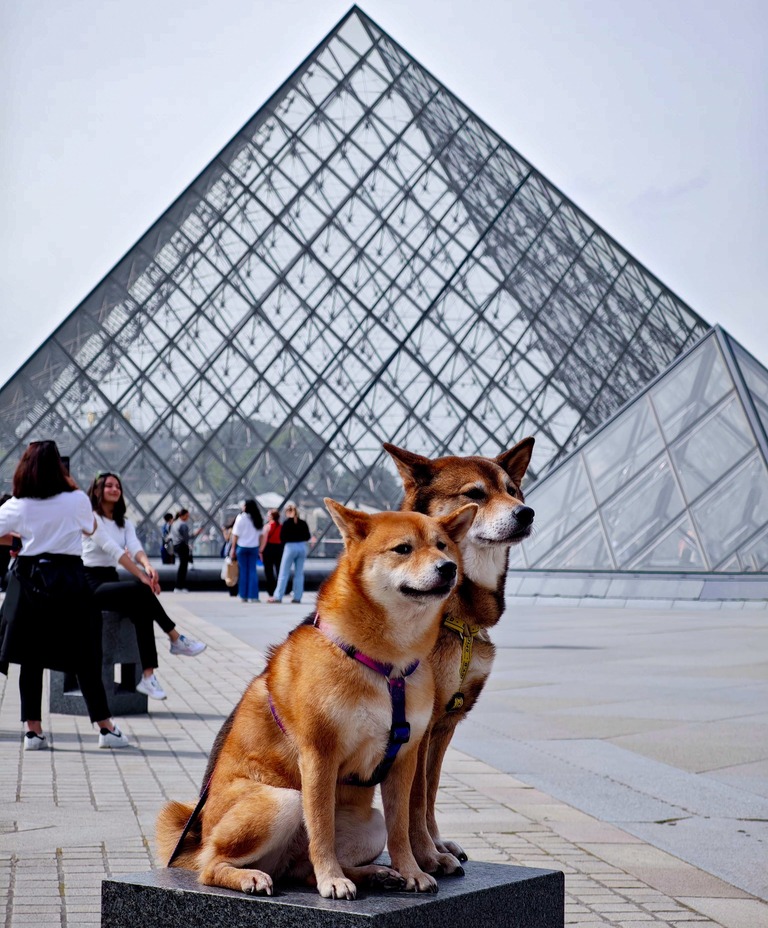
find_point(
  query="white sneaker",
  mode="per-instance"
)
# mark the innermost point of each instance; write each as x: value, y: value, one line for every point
x: 150, y: 687
x: 34, y: 742
x: 187, y: 646
x: 113, y: 739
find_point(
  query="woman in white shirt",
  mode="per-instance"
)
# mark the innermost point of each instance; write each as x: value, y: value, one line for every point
x: 246, y: 536
x: 114, y: 542
x: 48, y: 617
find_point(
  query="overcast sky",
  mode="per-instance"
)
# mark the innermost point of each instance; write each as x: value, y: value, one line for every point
x: 649, y: 114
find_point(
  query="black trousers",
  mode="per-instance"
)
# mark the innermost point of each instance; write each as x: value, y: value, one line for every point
x: 272, y: 556
x: 136, y: 601
x: 185, y: 556
x: 91, y: 686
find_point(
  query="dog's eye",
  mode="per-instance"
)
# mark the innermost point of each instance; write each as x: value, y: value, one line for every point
x: 441, y: 546
x: 513, y: 491
x: 475, y: 493
x: 402, y: 549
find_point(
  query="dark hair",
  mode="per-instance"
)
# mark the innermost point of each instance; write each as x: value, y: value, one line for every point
x: 40, y: 473
x: 182, y: 512
x: 251, y: 507
x: 96, y: 496
x: 274, y: 515
x: 168, y: 517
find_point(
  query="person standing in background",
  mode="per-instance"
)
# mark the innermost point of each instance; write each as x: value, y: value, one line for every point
x: 271, y: 549
x: 180, y: 536
x: 166, y: 542
x: 49, y: 618
x: 295, y: 536
x: 245, y: 550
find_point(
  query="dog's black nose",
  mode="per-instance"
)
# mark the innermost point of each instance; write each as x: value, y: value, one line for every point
x: 524, y: 515
x: 447, y: 570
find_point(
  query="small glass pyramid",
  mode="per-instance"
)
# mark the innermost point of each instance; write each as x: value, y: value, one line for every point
x: 676, y: 481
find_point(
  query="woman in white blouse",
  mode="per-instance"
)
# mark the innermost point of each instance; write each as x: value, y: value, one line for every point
x: 114, y: 542
x: 246, y: 537
x: 48, y: 617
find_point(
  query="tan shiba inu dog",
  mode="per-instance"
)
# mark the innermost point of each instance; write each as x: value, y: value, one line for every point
x: 463, y: 655
x: 291, y: 776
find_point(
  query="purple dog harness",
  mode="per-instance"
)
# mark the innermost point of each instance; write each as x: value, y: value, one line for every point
x: 400, y: 730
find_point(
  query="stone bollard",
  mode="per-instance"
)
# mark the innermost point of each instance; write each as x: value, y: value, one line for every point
x: 119, y: 649
x: 489, y: 895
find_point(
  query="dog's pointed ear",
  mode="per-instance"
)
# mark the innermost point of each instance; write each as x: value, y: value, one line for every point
x: 515, y: 461
x: 352, y: 524
x: 458, y: 523
x: 414, y: 469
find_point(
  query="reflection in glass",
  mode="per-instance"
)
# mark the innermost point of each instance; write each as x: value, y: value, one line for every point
x: 643, y: 511
x: 678, y: 549
x: 560, y: 510
x: 624, y: 448
x: 734, y: 511
x: 690, y: 389
x: 585, y: 548
x: 718, y: 443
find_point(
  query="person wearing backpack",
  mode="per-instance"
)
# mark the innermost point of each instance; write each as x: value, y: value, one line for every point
x: 167, y: 554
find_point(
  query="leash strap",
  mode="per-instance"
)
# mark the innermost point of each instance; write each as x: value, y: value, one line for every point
x: 190, y: 821
x: 467, y: 634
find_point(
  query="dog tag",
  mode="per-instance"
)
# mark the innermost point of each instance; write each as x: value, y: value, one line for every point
x: 455, y: 702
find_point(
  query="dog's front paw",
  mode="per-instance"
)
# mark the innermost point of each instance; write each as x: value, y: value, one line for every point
x: 420, y: 882
x: 256, y: 883
x: 451, y: 847
x: 337, y: 887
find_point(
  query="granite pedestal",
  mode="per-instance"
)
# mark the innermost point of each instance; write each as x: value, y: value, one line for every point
x: 119, y: 650
x: 490, y: 895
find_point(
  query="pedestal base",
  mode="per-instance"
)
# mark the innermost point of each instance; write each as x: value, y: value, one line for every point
x: 491, y: 895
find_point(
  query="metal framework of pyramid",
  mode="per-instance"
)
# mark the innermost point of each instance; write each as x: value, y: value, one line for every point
x: 676, y: 481
x: 365, y: 261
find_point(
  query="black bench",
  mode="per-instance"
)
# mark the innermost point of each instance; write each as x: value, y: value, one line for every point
x: 119, y: 650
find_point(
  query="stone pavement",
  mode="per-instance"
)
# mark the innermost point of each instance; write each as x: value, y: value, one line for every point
x: 566, y: 685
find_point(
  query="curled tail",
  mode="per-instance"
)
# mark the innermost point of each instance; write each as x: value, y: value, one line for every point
x: 170, y: 824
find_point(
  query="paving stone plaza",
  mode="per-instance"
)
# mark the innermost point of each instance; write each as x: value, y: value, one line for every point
x: 625, y: 746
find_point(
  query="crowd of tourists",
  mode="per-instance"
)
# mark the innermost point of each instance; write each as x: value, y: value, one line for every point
x: 60, y: 548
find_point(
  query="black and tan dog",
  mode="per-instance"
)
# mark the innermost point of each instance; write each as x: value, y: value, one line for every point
x: 342, y: 703
x: 463, y: 655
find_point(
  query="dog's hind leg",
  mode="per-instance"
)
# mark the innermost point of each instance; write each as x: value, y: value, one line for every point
x: 261, y: 826
x: 360, y: 837
x: 431, y: 859
x: 440, y: 738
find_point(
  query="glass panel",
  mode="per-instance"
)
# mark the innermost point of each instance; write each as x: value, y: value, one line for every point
x: 585, y: 550
x: 756, y: 379
x: 560, y: 510
x: 623, y: 449
x: 754, y: 556
x: 688, y: 391
x: 717, y: 444
x: 677, y: 550
x: 640, y: 513
x: 734, y: 511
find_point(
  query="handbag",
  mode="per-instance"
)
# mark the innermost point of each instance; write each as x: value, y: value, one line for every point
x: 230, y: 572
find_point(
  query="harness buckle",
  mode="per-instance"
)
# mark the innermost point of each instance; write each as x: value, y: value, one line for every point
x: 400, y: 734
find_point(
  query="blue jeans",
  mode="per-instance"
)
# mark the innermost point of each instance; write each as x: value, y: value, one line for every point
x: 248, y: 579
x: 294, y: 553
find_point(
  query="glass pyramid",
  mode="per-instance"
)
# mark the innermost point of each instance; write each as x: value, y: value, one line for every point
x: 365, y: 261
x: 676, y: 481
